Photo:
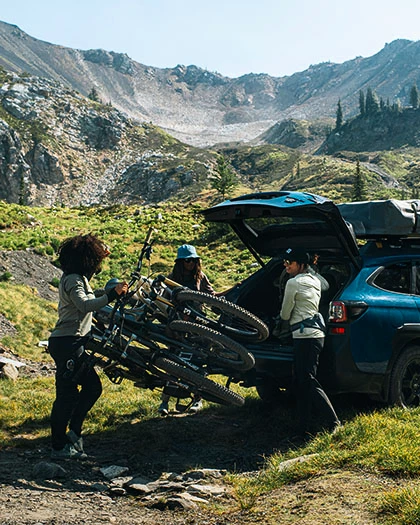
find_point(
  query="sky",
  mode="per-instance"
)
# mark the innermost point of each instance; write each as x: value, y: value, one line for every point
x: 232, y: 37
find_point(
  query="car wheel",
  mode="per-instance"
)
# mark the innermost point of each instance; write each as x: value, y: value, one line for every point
x: 404, y: 389
x: 270, y: 392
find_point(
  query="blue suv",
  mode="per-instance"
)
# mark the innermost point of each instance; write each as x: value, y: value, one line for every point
x: 372, y: 305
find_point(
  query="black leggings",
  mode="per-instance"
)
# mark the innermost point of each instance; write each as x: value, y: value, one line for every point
x: 309, y: 392
x: 71, y: 404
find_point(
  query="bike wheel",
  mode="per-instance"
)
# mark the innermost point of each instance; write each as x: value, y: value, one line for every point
x: 199, y: 384
x: 222, y: 315
x: 221, y: 351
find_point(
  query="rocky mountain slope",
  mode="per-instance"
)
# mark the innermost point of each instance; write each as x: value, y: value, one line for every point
x: 202, y: 107
x: 59, y: 148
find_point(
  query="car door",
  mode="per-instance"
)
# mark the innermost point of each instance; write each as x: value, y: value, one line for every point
x: 388, y: 292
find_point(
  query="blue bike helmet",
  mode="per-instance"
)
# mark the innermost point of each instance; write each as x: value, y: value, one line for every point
x: 186, y: 251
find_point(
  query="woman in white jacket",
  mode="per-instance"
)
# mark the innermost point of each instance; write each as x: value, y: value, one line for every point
x: 300, y: 307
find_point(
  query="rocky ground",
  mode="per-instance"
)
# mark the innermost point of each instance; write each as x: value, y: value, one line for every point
x: 169, y: 471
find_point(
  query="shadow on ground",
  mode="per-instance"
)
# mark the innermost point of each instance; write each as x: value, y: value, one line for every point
x: 217, y: 437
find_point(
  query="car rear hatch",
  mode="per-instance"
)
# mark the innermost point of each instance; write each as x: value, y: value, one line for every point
x: 269, y: 223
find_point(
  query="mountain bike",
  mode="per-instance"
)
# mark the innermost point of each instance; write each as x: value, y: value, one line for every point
x: 150, y: 338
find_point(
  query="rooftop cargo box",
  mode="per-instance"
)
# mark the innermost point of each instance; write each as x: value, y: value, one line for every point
x: 390, y: 218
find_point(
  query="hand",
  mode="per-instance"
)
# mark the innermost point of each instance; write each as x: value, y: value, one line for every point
x: 121, y: 288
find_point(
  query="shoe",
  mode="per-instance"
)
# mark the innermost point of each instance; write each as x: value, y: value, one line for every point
x: 68, y: 452
x: 336, y: 428
x: 164, y: 408
x: 76, y: 440
x: 196, y: 406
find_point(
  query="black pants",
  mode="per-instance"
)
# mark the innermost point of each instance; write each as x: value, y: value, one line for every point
x: 74, y: 397
x: 309, y: 393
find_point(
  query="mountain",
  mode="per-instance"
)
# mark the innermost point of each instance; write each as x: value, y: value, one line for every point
x: 57, y: 147
x: 203, y: 108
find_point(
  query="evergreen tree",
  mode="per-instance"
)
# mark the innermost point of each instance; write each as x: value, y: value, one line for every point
x: 414, y: 97
x: 359, y: 187
x: 396, y: 106
x: 224, y: 177
x: 372, y: 103
x: 362, y: 104
x: 94, y: 95
x: 339, y: 116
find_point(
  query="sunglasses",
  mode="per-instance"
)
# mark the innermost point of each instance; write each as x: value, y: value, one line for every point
x: 190, y: 260
x: 287, y: 262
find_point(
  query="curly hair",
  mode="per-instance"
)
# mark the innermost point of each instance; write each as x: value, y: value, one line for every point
x: 82, y: 254
x: 178, y: 271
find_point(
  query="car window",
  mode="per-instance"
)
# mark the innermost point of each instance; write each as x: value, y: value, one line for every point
x: 395, y: 278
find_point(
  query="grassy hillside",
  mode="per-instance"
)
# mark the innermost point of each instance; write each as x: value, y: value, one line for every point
x: 377, y: 448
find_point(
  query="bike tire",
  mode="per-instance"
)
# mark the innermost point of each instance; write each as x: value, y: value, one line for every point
x: 222, y: 315
x: 199, y: 384
x: 221, y: 350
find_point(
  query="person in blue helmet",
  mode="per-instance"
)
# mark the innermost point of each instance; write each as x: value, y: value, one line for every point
x: 187, y: 271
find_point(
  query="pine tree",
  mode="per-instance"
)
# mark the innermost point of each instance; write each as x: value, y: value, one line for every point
x: 339, y: 116
x: 359, y: 188
x: 414, y: 97
x: 362, y: 103
x: 372, y: 103
x: 224, y: 177
x: 94, y: 95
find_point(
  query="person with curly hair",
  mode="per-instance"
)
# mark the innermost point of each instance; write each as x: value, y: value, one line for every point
x: 78, y: 387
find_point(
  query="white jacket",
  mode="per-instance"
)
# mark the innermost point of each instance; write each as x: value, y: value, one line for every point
x: 301, y: 301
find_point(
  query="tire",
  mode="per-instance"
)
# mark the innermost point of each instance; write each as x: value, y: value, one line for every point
x: 220, y: 349
x: 223, y: 316
x: 404, y: 388
x: 199, y: 384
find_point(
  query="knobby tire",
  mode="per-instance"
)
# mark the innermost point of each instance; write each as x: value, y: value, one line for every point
x: 221, y: 350
x: 234, y: 321
x: 199, y: 384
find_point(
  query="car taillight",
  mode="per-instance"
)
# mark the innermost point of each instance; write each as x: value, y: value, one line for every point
x: 338, y: 312
x: 342, y: 312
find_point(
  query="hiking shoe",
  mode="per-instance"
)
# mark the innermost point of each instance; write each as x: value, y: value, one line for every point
x: 163, y: 408
x: 196, y: 406
x: 336, y: 428
x: 76, y: 440
x: 68, y: 452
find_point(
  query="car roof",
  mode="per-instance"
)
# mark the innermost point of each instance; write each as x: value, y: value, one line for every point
x: 271, y: 222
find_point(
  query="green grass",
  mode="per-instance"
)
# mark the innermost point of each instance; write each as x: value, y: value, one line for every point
x: 402, y: 506
x: 385, y: 442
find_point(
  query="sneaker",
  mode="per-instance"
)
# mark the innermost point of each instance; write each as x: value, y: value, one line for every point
x: 68, y: 452
x: 196, y: 406
x: 164, y: 408
x: 76, y: 440
x: 336, y: 428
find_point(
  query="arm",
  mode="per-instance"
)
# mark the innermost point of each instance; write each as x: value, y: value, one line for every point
x: 83, y: 298
x: 205, y: 286
x: 288, y: 299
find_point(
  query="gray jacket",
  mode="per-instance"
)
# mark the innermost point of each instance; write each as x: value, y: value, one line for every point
x: 76, y: 304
